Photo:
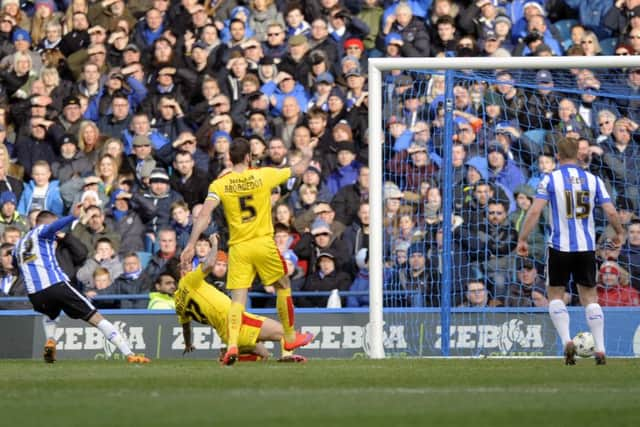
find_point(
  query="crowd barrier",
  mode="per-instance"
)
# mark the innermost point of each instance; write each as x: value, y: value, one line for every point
x: 340, y: 333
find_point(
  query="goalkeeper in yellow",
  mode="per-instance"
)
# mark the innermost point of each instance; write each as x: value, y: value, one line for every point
x: 197, y: 300
x: 245, y: 195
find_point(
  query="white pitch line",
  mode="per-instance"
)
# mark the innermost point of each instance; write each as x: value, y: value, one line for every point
x: 420, y: 390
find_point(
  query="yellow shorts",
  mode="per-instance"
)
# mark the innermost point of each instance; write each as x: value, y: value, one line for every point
x: 249, y: 331
x: 254, y: 256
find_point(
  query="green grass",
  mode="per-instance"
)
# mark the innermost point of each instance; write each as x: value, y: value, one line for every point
x: 396, y: 392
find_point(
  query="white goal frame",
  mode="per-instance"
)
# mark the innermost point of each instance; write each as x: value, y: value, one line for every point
x: 376, y: 133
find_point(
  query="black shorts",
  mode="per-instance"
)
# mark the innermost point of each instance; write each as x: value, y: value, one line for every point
x: 62, y: 297
x: 564, y: 266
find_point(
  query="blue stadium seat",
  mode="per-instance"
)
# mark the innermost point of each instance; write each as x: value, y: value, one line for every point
x: 564, y: 28
x: 537, y: 136
x: 145, y: 257
x: 609, y: 45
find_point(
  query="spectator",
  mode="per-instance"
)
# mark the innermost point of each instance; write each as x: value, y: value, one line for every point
x: 165, y: 260
x: 101, y: 285
x: 294, y: 271
x: 187, y: 180
x: 104, y: 256
x: 524, y: 195
x: 11, y: 283
x: 218, y: 277
x: 492, y: 246
x: 181, y: 222
x: 326, y: 277
x: 89, y: 140
x: 162, y: 297
x: 320, y: 238
x: 422, y: 279
x: 125, y: 221
x: 630, y: 253
x: 477, y: 296
x: 502, y: 169
x: 349, y: 198
x: 91, y: 228
x: 613, y: 287
x: 622, y: 156
x: 130, y: 282
x: 158, y: 200
x: 40, y: 192
x: 356, y: 234
x: 37, y: 146
x: 9, y: 216
x: 415, y: 39
x: 529, y: 288
x: 7, y: 181
x: 71, y: 163
x: 347, y: 169
x: 361, y: 282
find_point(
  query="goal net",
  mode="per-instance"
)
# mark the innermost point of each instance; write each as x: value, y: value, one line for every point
x: 457, y: 147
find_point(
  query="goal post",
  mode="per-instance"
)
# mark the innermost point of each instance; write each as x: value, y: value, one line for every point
x: 376, y: 140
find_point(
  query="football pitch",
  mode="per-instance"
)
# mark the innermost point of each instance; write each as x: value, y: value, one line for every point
x: 395, y: 392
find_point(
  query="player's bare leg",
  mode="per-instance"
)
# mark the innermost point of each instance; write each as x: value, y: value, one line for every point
x: 595, y: 320
x: 560, y: 318
x: 234, y: 323
x: 286, y: 314
x: 114, y: 336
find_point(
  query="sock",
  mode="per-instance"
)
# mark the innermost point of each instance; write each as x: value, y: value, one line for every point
x: 595, y: 320
x: 114, y: 336
x: 49, y: 327
x: 283, y: 352
x: 234, y: 323
x: 285, y: 308
x: 560, y: 318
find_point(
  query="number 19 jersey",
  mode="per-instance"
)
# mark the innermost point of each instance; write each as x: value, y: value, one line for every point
x: 246, y: 200
x: 572, y: 194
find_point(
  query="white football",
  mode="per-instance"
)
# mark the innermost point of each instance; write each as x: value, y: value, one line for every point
x: 585, y: 345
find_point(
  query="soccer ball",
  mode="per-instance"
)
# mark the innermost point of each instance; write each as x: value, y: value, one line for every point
x: 585, y: 346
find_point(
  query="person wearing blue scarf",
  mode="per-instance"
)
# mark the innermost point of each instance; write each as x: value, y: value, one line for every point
x: 131, y: 282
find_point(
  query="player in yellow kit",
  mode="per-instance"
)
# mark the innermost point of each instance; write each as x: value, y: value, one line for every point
x: 245, y: 194
x: 197, y: 300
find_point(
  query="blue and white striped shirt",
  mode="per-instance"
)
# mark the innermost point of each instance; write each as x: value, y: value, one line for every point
x: 36, y: 256
x: 572, y: 194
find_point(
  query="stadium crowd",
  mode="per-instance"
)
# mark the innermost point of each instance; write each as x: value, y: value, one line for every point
x: 130, y: 108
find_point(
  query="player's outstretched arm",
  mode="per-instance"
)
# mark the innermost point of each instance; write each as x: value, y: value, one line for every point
x: 186, y: 334
x: 200, y: 224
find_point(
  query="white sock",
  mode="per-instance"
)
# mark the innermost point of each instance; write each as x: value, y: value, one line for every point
x: 114, y: 336
x: 560, y: 318
x: 49, y: 327
x: 595, y: 320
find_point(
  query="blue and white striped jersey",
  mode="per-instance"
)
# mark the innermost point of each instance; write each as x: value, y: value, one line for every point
x: 36, y: 256
x: 572, y: 194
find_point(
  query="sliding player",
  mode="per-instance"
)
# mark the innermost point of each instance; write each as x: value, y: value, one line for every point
x: 198, y: 300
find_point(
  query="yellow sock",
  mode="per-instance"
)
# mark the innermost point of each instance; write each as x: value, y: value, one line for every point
x: 284, y: 305
x: 234, y: 323
x: 283, y: 352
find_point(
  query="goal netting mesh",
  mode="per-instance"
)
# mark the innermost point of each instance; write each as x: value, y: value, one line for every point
x: 501, y: 133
